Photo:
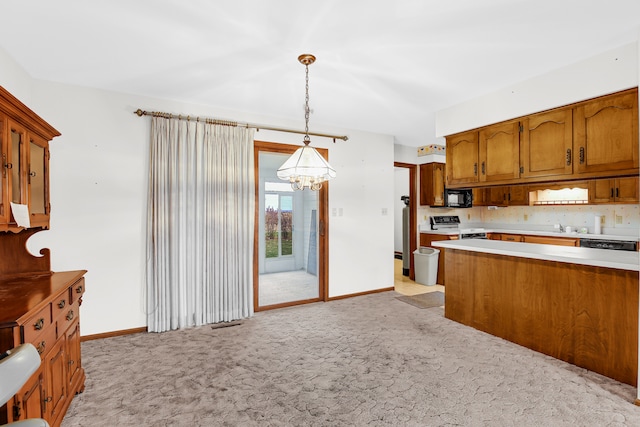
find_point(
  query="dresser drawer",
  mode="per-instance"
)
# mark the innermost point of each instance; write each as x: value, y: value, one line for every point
x: 67, y: 316
x: 77, y: 290
x: 36, y: 324
x: 61, y: 304
x: 45, y: 341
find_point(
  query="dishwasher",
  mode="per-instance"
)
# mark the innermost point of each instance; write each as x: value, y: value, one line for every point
x: 616, y: 245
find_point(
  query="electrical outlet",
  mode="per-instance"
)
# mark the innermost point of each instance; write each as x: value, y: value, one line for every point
x: 468, y: 216
x: 526, y: 217
x: 602, y: 220
x: 618, y: 219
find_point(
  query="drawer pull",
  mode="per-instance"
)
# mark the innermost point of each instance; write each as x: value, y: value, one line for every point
x: 39, y: 324
x: 41, y: 347
x: 79, y: 289
x: 70, y: 315
x: 62, y: 303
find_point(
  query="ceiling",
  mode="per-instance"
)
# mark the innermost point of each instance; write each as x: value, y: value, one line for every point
x: 384, y: 66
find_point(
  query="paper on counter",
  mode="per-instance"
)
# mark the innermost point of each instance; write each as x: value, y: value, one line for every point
x: 21, y: 214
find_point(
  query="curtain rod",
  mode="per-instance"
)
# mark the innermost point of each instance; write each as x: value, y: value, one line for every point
x: 141, y: 113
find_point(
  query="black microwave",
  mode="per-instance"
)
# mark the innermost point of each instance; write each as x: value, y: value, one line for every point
x: 458, y: 198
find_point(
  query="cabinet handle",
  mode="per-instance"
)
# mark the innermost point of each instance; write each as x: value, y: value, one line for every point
x: 17, y: 411
x: 79, y: 289
x: 617, y: 193
x: 62, y: 303
x: 612, y: 193
x: 70, y: 315
x: 71, y: 362
x: 581, y: 155
x: 39, y: 324
x: 568, y: 156
x: 475, y: 169
x: 483, y: 169
x: 32, y: 173
x: 41, y: 347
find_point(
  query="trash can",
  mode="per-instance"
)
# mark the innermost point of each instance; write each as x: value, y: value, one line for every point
x: 426, y: 265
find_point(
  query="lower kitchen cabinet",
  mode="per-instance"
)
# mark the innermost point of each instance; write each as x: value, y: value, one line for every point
x: 551, y: 240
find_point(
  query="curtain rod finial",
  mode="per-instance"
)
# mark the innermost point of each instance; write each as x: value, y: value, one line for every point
x: 139, y: 112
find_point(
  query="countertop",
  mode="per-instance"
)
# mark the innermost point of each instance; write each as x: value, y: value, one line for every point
x: 622, y: 260
x: 454, y: 232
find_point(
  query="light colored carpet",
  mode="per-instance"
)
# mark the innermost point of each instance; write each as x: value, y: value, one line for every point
x: 365, y: 361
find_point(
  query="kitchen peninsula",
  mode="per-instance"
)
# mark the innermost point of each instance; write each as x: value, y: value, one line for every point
x: 576, y: 304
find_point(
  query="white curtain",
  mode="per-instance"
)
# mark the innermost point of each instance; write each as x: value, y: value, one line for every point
x: 200, y: 221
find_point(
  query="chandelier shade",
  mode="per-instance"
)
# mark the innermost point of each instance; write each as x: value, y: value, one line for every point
x: 306, y: 168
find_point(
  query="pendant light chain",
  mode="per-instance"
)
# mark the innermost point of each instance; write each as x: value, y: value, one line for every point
x: 306, y: 140
x: 306, y: 168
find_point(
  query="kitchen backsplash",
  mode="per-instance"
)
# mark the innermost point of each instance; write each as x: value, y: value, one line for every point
x: 623, y: 219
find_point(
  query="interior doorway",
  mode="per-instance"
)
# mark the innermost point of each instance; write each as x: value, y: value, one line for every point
x: 290, y: 248
x: 413, y: 214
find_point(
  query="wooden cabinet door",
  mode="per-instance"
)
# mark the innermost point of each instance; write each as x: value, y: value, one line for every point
x: 606, y: 134
x: 499, y: 152
x: 432, y: 184
x: 55, y: 365
x: 601, y: 191
x: 546, y: 145
x: 27, y: 403
x: 550, y: 240
x: 626, y: 190
x: 73, y: 354
x: 518, y: 195
x: 462, y: 158
x: 480, y: 196
x: 619, y: 190
x: 497, y: 196
x: 38, y: 181
x: 4, y: 198
x: 511, y: 238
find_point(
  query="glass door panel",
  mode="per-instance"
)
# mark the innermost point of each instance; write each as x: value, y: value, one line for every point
x: 37, y: 195
x: 15, y: 165
x: 288, y: 241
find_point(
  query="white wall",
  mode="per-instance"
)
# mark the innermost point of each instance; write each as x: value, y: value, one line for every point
x: 98, y: 192
x: 606, y: 73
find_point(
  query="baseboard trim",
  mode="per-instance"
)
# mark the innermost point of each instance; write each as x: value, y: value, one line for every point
x: 144, y: 328
x: 113, y: 334
x: 376, y: 291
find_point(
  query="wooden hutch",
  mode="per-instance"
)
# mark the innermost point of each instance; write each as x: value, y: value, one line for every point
x: 38, y: 306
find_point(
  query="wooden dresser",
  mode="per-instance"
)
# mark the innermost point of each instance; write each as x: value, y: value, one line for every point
x: 37, y: 305
x: 44, y: 310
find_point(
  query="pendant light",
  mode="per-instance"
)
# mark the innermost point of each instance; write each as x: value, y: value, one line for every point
x: 306, y: 168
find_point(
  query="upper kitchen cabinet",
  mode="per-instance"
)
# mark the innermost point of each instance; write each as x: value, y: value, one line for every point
x: 499, y: 152
x: 605, y: 134
x: 24, y: 143
x: 618, y: 190
x: 546, y: 144
x: 432, y: 184
x: 462, y: 159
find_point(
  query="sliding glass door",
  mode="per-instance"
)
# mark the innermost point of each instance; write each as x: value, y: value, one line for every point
x: 288, y: 238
